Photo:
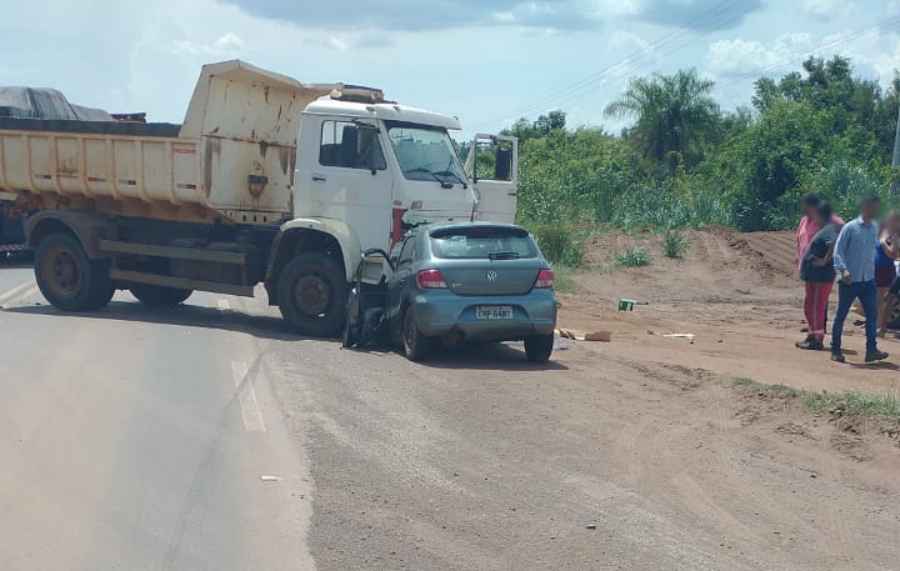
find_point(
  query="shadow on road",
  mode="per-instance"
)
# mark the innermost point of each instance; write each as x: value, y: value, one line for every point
x: 492, y: 356
x: 187, y: 315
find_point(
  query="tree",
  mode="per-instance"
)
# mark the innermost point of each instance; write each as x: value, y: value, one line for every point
x: 675, y: 115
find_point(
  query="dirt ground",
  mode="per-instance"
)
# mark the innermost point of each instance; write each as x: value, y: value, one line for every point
x: 783, y: 488
x: 737, y: 293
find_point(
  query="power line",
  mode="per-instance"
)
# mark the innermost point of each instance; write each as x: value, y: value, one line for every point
x: 716, y: 17
x: 836, y: 42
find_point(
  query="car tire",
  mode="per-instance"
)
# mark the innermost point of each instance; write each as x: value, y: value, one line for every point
x: 538, y: 348
x: 416, y: 346
x: 312, y: 295
x: 158, y: 296
x: 67, y: 278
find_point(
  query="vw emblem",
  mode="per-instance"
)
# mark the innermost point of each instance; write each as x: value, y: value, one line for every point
x: 492, y: 276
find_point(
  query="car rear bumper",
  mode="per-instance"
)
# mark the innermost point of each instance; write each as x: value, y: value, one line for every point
x: 440, y: 313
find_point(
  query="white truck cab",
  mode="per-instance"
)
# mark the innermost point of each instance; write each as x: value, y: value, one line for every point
x: 380, y: 167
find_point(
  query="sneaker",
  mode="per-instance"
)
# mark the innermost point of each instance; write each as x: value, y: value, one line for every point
x: 838, y: 358
x: 810, y: 345
x: 876, y: 356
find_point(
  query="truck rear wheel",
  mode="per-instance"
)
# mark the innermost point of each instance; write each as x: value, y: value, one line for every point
x: 68, y: 278
x: 158, y: 296
x: 312, y: 295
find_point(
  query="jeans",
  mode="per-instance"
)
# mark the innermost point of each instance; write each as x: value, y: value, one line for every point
x: 867, y: 295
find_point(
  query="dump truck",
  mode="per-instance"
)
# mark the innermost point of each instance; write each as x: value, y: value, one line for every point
x: 267, y: 181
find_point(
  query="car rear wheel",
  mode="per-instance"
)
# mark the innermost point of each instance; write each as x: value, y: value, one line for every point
x: 312, y: 295
x: 415, y: 345
x: 158, y: 296
x: 538, y: 348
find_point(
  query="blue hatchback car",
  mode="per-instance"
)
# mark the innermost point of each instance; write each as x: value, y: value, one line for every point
x: 471, y: 282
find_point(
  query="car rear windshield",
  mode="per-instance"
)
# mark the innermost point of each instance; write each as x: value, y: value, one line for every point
x: 483, y: 242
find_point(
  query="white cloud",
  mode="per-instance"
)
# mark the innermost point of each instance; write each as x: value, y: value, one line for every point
x: 227, y: 45
x: 750, y: 58
x: 828, y: 9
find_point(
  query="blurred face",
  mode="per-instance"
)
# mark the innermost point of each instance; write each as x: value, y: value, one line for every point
x: 870, y: 210
x: 892, y: 224
x: 817, y: 216
x: 810, y: 211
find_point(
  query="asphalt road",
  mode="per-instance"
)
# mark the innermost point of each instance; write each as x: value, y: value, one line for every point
x: 136, y: 441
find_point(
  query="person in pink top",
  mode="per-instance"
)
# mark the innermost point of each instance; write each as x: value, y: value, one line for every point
x: 809, y: 226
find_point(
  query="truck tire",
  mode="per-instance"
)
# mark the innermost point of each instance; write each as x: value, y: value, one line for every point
x: 312, y: 295
x: 158, y: 296
x: 67, y: 278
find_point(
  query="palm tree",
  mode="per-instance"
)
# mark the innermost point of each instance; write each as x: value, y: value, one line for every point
x: 675, y: 114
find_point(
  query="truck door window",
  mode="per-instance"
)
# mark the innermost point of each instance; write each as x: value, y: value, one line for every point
x: 493, y: 160
x: 350, y: 146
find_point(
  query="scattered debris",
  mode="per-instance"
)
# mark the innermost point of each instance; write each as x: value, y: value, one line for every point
x: 601, y: 336
x: 628, y: 304
x: 689, y: 336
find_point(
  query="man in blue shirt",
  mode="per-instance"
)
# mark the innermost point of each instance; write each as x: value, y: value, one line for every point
x: 854, y: 262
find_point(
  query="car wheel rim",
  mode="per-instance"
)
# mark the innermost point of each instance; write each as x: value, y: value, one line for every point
x: 313, y: 295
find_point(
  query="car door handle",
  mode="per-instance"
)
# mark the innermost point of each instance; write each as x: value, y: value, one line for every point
x: 317, y: 178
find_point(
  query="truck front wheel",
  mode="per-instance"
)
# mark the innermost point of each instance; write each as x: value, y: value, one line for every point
x: 312, y: 293
x: 68, y: 278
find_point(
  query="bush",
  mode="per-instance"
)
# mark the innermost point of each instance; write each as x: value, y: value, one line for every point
x: 633, y: 258
x: 560, y: 244
x: 674, y: 244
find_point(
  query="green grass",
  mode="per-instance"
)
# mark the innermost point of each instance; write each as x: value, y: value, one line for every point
x: 850, y: 403
x: 633, y: 258
x: 561, y: 244
x: 853, y: 404
x: 675, y: 244
x: 564, y: 279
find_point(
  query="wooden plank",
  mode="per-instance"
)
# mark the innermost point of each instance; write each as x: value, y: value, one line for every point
x: 181, y: 283
x: 196, y: 254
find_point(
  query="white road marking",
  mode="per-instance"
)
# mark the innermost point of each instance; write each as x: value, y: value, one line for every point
x: 250, y: 413
x: 21, y: 291
x: 223, y: 305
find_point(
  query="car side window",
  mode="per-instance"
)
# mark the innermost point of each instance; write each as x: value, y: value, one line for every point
x: 346, y: 145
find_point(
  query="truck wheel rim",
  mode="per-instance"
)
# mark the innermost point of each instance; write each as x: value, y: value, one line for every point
x: 65, y: 275
x: 313, y: 295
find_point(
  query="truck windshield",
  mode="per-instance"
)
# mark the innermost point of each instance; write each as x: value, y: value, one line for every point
x: 493, y: 242
x: 425, y: 153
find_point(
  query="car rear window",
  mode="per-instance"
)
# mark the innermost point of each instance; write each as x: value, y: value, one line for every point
x: 482, y: 242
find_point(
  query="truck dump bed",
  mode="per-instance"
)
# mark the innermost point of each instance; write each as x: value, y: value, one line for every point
x: 233, y: 157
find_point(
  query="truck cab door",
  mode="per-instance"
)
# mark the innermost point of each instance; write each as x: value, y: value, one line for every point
x: 344, y: 176
x: 493, y: 165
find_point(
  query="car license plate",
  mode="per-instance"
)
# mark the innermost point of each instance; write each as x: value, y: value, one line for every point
x: 493, y: 312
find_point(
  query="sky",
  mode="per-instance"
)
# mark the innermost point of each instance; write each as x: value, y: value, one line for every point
x: 486, y: 61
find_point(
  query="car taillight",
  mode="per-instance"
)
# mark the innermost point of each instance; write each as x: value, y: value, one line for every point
x: 430, y: 279
x: 544, y: 279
